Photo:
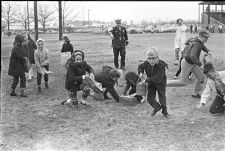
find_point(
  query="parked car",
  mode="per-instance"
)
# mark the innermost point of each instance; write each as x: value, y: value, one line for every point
x: 136, y: 31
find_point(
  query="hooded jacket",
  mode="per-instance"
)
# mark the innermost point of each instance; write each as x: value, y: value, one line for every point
x: 41, y: 57
x: 193, y: 49
x: 75, y: 72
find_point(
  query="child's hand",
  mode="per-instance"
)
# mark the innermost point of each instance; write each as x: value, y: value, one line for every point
x: 92, y: 76
x: 200, y: 105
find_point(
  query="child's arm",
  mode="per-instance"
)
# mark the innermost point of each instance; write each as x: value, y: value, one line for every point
x: 114, y: 94
x: 206, y: 95
x: 126, y: 88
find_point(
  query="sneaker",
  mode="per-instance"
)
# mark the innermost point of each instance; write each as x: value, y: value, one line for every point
x: 155, y: 111
x: 175, y: 77
x: 166, y: 115
x: 13, y: 93
x: 64, y: 102
x: 196, y: 96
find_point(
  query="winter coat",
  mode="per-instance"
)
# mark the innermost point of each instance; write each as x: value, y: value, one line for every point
x: 107, y: 82
x: 67, y: 47
x: 180, y: 37
x: 156, y: 75
x: 17, y: 62
x: 196, y: 46
x: 74, y: 75
x: 120, y: 37
x: 31, y: 46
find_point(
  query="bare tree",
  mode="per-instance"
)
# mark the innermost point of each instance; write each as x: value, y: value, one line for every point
x: 67, y: 13
x: 44, y: 13
x: 8, y: 13
x: 21, y: 16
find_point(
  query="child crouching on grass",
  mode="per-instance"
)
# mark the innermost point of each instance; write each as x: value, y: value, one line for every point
x: 155, y: 70
x: 76, y: 74
x: 215, y: 88
x: 132, y: 79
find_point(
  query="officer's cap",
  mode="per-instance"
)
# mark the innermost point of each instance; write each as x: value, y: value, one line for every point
x: 118, y: 21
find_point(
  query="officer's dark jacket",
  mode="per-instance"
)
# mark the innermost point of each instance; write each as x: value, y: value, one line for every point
x: 120, y: 37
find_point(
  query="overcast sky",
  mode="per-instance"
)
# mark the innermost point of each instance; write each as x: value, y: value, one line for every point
x: 139, y: 10
x: 130, y: 10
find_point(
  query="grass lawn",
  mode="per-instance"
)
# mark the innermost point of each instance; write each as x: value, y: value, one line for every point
x: 39, y: 122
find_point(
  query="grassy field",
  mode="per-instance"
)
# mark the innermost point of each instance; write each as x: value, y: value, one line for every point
x: 39, y: 122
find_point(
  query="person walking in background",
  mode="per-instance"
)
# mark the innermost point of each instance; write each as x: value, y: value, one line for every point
x: 67, y: 46
x: 119, y: 37
x: 180, y: 39
x: 191, y: 28
x: 215, y: 88
x: 18, y: 66
x: 191, y: 63
x: 155, y: 69
x: 42, y: 57
x: 196, y: 28
x: 30, y: 47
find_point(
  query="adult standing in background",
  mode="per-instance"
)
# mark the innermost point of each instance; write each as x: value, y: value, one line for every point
x: 180, y: 40
x: 196, y: 28
x: 119, y: 37
x: 30, y: 47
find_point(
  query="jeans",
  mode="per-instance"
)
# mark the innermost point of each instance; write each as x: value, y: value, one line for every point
x: 39, y: 76
x: 186, y: 68
x: 16, y: 81
x: 179, y: 70
x: 151, y: 96
x: 122, y: 52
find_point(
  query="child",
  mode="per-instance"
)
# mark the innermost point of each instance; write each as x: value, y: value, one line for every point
x: 75, y: 78
x: 131, y: 81
x: 17, y: 65
x: 156, y: 80
x: 215, y: 88
x: 67, y: 46
x: 108, y: 77
x: 41, y: 57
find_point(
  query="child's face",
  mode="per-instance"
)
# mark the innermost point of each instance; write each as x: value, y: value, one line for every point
x: 152, y: 60
x: 78, y: 59
x: 115, y: 78
x: 40, y: 45
x: 211, y: 74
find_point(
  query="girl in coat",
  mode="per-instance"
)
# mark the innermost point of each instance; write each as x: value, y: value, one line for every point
x: 67, y: 46
x: 17, y: 66
x: 30, y: 47
x: 76, y: 74
x: 42, y: 57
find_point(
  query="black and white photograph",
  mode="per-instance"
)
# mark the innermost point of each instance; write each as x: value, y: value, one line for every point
x: 112, y: 76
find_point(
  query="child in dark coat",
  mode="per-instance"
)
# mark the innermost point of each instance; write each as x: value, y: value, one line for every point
x: 108, y: 77
x: 132, y: 79
x: 76, y: 74
x: 156, y: 80
x: 67, y: 46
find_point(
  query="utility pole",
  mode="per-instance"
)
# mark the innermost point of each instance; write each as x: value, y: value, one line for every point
x: 28, y: 23
x: 35, y: 20
x: 60, y: 20
x: 208, y: 14
x: 83, y: 15
x: 88, y: 17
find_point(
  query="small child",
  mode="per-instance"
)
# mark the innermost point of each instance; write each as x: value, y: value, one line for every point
x: 131, y: 82
x: 108, y: 77
x: 215, y: 88
x: 155, y: 70
x: 75, y: 78
x: 41, y: 57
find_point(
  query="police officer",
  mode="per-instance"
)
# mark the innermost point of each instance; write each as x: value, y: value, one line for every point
x: 118, y: 34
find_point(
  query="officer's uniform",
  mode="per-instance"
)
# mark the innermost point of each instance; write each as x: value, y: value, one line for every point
x: 118, y: 43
